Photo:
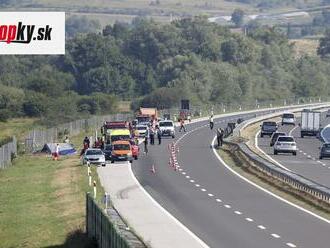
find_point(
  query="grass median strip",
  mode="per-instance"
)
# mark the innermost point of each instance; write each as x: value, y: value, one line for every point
x: 42, y: 202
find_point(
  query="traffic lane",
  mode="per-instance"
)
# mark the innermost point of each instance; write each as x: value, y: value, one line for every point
x: 276, y: 216
x: 212, y: 222
x: 306, y: 162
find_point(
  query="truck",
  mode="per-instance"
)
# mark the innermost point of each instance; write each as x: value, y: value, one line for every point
x: 145, y: 115
x: 310, y: 123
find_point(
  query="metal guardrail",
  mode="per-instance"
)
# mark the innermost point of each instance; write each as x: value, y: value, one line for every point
x: 107, y: 228
x: 295, y: 180
x: 7, y: 152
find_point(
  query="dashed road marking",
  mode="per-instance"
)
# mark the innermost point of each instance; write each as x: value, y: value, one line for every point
x: 249, y: 219
x: 305, y: 153
x: 227, y: 206
x: 192, y: 181
x: 218, y: 200
x: 203, y: 190
x: 210, y: 195
x: 275, y: 235
x: 238, y: 212
x: 197, y: 185
x: 261, y: 227
x: 184, y: 173
x: 187, y: 177
x: 180, y: 169
x: 291, y: 245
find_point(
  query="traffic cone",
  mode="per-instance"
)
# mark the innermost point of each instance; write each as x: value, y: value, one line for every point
x: 153, y: 170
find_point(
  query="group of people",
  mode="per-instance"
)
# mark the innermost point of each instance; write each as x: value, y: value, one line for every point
x: 150, y: 134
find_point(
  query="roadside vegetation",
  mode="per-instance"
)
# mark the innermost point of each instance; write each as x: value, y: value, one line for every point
x: 156, y: 64
x: 43, y: 202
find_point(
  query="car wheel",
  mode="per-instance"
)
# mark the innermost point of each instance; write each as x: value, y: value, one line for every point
x: 131, y: 161
x: 321, y: 157
x: 135, y: 157
x: 112, y: 161
x: 302, y: 136
x: 173, y: 136
x: 275, y: 152
x: 103, y: 164
x: 294, y: 153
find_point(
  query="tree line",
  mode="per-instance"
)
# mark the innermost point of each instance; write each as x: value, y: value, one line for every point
x: 154, y: 64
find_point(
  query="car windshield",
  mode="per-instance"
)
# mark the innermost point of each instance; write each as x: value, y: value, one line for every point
x: 119, y: 137
x: 121, y: 147
x: 141, y: 128
x: 288, y: 115
x: 166, y: 124
x: 269, y: 123
x: 94, y: 152
x: 285, y: 139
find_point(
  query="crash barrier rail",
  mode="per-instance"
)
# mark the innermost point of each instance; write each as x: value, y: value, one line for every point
x: 295, y: 180
x: 37, y: 138
x: 107, y: 228
x: 7, y: 152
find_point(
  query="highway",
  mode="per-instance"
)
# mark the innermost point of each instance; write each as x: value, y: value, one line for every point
x: 307, y: 162
x: 219, y: 207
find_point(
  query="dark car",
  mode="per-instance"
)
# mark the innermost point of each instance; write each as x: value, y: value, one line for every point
x: 275, y: 136
x: 107, y: 151
x: 325, y: 151
x: 268, y: 128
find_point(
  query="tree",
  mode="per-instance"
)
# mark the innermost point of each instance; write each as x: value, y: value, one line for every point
x: 324, y: 46
x: 35, y: 104
x: 237, y: 17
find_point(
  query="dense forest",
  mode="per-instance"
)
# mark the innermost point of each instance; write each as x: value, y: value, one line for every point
x: 150, y: 63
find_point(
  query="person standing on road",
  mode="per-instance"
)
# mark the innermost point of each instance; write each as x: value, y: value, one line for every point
x: 152, y: 136
x: 221, y: 134
x: 159, y: 135
x: 182, y: 125
x: 218, y: 136
x: 145, y: 145
x: 211, y: 122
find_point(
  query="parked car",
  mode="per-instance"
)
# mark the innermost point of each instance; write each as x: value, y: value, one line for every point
x: 135, y: 149
x: 285, y: 144
x: 288, y: 118
x: 268, y: 128
x: 94, y: 156
x: 107, y: 151
x: 142, y: 129
x: 121, y: 151
x: 325, y: 151
x: 275, y: 136
x: 167, y: 128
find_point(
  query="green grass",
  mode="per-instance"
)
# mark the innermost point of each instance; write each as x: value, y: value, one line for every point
x: 42, y: 202
x: 18, y: 127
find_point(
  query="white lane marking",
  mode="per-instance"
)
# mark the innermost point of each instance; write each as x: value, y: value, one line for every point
x: 290, y: 133
x: 187, y: 177
x: 238, y: 212
x: 308, y: 156
x: 218, y: 200
x: 249, y: 219
x: 192, y: 181
x: 227, y: 206
x: 195, y: 237
x: 261, y: 227
x: 275, y: 235
x: 210, y: 195
x: 197, y: 185
x: 265, y: 154
x: 319, y: 161
x: 183, y: 173
x: 180, y: 169
x: 291, y: 245
x: 204, y: 190
x: 300, y: 151
x: 263, y: 189
x: 305, y: 153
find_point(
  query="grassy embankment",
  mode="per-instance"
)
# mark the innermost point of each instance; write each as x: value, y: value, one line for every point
x: 42, y: 202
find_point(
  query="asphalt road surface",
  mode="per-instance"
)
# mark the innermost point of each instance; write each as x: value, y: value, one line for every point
x: 307, y: 162
x: 219, y: 207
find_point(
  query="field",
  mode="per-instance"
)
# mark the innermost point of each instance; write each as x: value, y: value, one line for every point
x: 17, y: 127
x: 42, y: 202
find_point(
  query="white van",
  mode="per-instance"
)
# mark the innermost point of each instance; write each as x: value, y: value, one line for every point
x: 288, y: 118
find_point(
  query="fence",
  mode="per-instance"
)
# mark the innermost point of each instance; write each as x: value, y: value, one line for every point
x: 37, y: 138
x: 7, y: 152
x: 108, y: 233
